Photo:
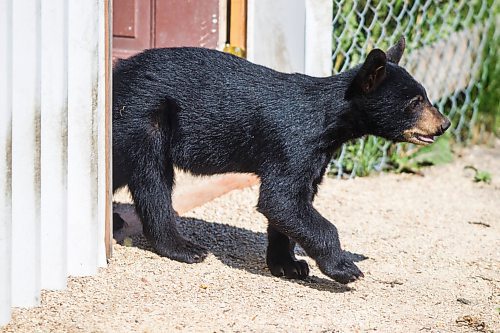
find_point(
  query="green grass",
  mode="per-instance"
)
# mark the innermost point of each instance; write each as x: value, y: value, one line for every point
x: 480, y: 176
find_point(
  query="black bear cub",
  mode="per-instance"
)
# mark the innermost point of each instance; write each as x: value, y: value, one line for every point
x: 208, y: 112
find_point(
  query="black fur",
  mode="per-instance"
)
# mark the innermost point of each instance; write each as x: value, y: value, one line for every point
x: 209, y: 112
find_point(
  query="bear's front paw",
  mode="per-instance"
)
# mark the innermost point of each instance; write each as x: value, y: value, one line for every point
x: 342, y: 270
x: 182, y: 250
x: 288, y: 267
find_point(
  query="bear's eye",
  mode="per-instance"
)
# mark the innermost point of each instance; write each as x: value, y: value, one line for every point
x: 415, y: 101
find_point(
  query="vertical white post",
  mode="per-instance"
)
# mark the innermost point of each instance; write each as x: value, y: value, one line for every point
x: 318, y: 45
x: 302, y: 35
x: 5, y: 159
x: 283, y: 49
x: 25, y: 152
x: 82, y: 137
x: 53, y: 143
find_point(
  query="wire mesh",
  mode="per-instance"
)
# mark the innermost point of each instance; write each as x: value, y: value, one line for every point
x: 451, y: 49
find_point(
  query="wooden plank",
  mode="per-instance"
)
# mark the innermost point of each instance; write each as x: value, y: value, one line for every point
x: 223, y: 26
x: 54, y: 113
x: 238, y: 24
x: 205, y: 189
x: 108, y: 235
x: 101, y: 142
x: 25, y: 152
x: 5, y: 159
x: 103, y: 134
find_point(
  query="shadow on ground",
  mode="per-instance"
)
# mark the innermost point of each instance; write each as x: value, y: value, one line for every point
x: 234, y: 246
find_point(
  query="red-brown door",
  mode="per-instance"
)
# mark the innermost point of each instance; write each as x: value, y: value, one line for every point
x: 186, y: 23
x: 131, y: 27
x: 143, y: 24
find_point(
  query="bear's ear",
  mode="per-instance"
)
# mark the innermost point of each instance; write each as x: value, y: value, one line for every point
x: 370, y: 75
x: 395, y: 53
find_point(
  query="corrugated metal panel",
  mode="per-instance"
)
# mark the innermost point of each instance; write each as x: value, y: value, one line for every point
x: 25, y: 152
x: 53, y: 135
x: 82, y: 130
x: 53, y: 144
x: 5, y: 160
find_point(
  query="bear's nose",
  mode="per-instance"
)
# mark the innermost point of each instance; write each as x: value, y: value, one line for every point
x: 445, y: 125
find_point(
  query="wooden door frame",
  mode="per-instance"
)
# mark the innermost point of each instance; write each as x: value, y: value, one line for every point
x: 238, y: 23
x: 108, y: 48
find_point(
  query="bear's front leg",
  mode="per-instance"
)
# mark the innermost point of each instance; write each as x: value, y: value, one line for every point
x: 289, y: 210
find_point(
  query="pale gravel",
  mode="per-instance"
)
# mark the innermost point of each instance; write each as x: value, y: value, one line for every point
x: 426, y: 260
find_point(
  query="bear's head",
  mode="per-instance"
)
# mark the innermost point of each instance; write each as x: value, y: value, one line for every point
x: 392, y: 104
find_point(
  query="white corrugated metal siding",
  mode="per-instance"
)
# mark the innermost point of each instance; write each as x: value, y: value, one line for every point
x: 53, y: 144
x: 302, y: 35
x: 25, y: 264
x: 53, y: 201
x: 5, y: 160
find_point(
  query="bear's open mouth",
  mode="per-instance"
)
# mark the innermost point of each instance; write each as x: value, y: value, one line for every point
x: 426, y: 139
x: 420, y: 139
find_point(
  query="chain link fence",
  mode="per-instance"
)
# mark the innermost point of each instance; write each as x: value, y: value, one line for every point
x: 452, y: 49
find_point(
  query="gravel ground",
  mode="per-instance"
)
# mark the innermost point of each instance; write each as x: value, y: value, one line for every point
x: 433, y: 244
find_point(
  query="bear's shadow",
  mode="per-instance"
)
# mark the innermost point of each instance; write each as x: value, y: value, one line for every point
x: 234, y: 246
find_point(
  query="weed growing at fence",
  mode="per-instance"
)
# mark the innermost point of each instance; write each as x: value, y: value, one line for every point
x: 489, y: 86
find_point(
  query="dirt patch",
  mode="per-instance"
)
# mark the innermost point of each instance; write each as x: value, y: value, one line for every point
x: 433, y: 244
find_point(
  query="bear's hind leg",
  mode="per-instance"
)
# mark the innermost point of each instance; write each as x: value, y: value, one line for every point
x: 280, y: 256
x: 151, y: 184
